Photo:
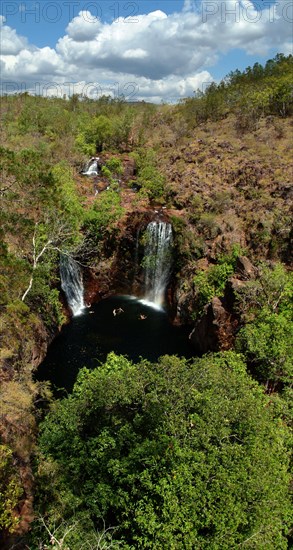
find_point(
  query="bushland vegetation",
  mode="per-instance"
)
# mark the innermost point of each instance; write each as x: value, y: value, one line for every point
x: 167, y: 455
x: 206, y: 467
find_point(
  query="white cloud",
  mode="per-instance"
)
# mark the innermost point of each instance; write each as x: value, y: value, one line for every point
x: 84, y: 27
x: 11, y: 43
x: 171, y: 88
x: 138, y: 89
x: 40, y: 63
x: 160, y: 56
x: 137, y: 53
x: 154, y: 47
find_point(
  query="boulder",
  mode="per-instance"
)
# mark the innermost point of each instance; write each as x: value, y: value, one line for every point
x: 244, y: 269
x: 215, y: 330
x: 129, y: 168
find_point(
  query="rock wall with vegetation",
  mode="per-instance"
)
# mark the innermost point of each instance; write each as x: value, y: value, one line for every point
x: 218, y: 167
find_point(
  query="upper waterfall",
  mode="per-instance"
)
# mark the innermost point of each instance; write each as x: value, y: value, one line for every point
x: 72, y: 284
x: 157, y: 260
x: 92, y: 167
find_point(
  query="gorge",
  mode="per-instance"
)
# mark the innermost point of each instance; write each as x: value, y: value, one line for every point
x: 165, y: 269
x: 141, y: 328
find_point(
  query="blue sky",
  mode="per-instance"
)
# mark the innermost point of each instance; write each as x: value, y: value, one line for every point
x: 149, y: 50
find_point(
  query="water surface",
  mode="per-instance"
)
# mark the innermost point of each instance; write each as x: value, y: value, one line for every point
x: 88, y: 338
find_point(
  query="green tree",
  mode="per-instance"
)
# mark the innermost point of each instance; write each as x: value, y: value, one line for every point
x: 212, y: 282
x: 114, y: 164
x: 175, y: 455
x: 151, y: 181
x: 58, y: 226
x: 266, y: 337
x: 100, y: 222
x: 122, y: 128
x: 258, y: 91
x: 267, y: 343
x: 95, y: 135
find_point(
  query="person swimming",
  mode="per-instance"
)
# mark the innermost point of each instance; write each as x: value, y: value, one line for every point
x: 118, y: 311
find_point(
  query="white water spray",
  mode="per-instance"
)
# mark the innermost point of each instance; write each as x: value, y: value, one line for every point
x: 72, y: 284
x: 157, y: 261
x: 91, y: 167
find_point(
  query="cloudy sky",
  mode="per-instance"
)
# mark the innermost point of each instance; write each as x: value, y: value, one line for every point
x: 153, y: 50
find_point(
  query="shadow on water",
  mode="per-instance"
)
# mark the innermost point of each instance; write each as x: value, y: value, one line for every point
x: 88, y: 339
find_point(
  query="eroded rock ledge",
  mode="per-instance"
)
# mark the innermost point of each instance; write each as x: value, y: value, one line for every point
x: 216, y: 329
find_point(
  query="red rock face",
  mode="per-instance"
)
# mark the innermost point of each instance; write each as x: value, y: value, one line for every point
x: 129, y: 168
x: 94, y: 288
x: 122, y: 272
x: 215, y: 330
x: 244, y: 269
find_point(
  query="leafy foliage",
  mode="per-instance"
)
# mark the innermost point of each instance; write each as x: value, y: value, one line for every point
x: 212, y: 282
x: 266, y: 338
x: 114, y: 164
x: 101, y: 218
x: 257, y: 91
x: 10, y: 490
x: 95, y: 135
x: 150, y: 180
x: 175, y: 455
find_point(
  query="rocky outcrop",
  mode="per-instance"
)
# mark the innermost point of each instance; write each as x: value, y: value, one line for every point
x: 39, y: 348
x: 244, y: 272
x: 129, y: 168
x: 244, y: 269
x: 96, y: 285
x: 216, y: 329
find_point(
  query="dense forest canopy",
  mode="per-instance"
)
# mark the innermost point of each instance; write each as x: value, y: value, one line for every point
x: 173, y: 454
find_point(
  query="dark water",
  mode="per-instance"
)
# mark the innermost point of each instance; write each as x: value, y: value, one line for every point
x: 88, y: 339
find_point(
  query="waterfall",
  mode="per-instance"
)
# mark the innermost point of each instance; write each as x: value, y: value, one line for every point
x: 72, y: 284
x: 157, y: 260
x: 91, y: 168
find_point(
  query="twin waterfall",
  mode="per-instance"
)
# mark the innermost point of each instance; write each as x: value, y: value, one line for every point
x: 157, y: 265
x: 157, y: 260
x: 72, y: 284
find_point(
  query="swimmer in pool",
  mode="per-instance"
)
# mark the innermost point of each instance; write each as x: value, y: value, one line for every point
x: 118, y: 311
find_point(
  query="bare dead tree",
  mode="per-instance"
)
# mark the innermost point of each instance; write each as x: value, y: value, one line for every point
x: 59, y: 234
